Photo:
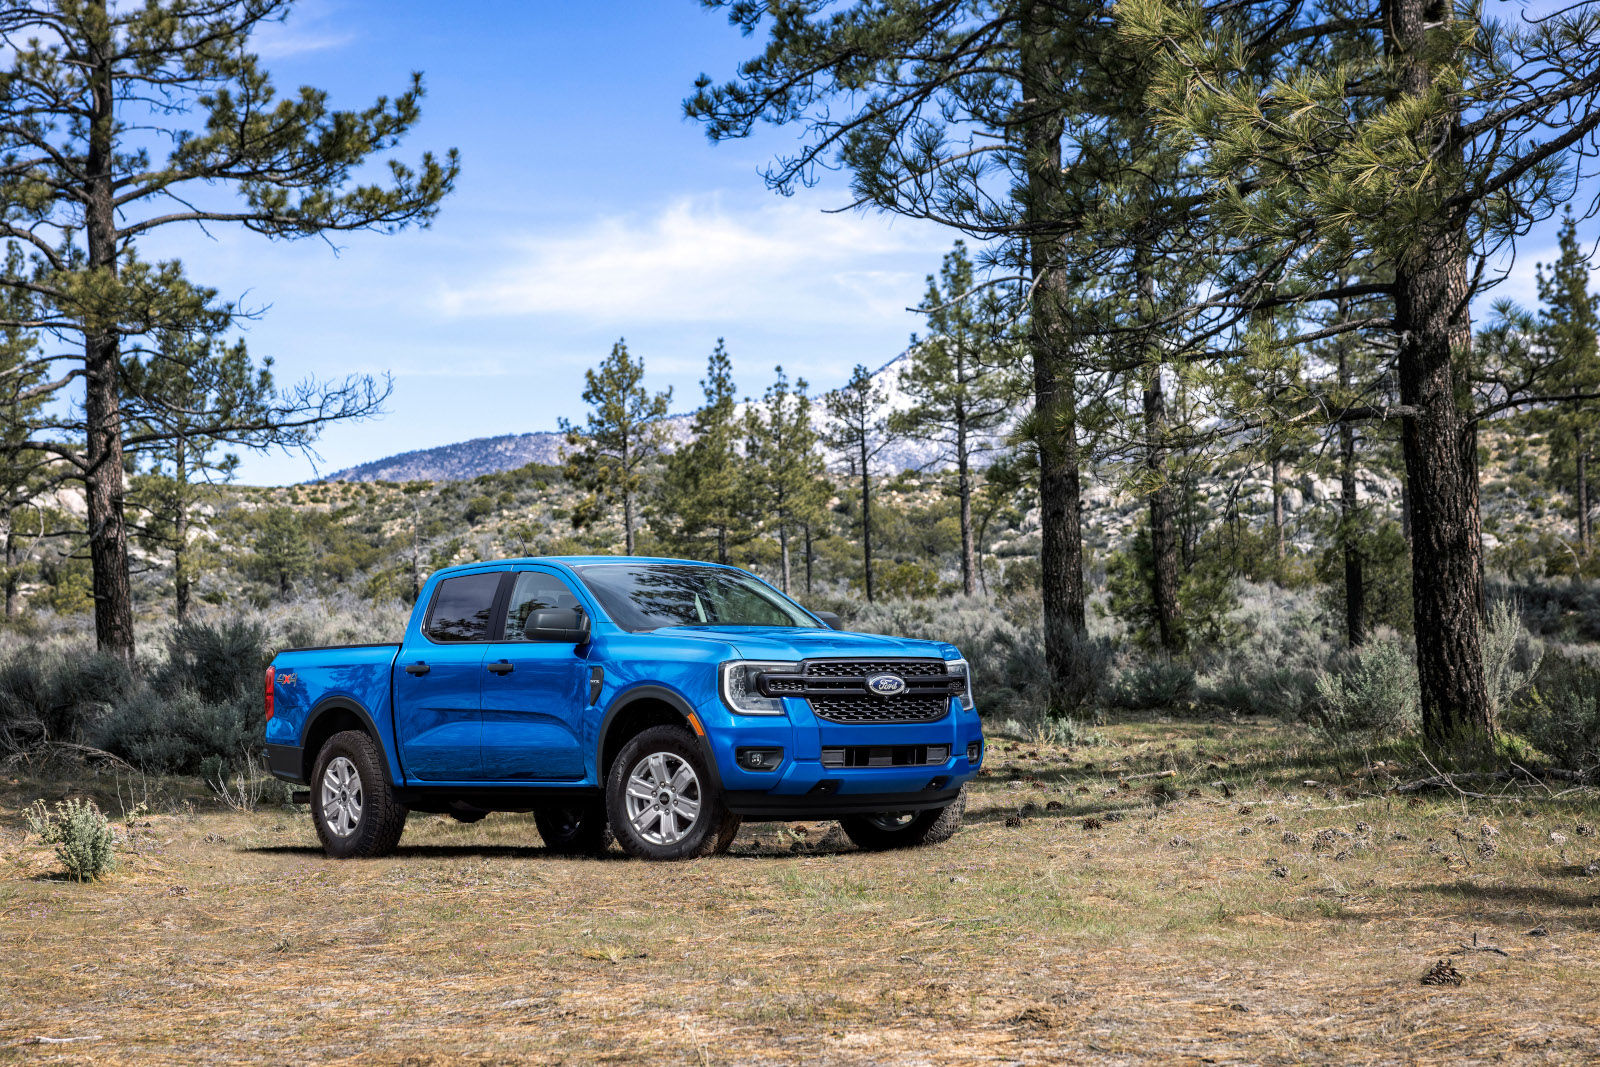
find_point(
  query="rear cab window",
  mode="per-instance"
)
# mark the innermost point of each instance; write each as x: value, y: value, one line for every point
x: 462, y: 607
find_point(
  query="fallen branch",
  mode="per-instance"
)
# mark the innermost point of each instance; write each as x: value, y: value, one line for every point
x: 1152, y: 774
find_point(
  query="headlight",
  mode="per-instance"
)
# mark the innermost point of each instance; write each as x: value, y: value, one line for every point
x: 957, y: 668
x: 737, y: 680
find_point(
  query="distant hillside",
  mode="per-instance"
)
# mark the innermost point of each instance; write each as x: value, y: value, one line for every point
x: 489, y: 455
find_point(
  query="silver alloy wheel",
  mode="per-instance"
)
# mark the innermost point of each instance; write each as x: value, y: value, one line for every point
x: 893, y: 820
x: 663, y: 797
x: 341, y: 797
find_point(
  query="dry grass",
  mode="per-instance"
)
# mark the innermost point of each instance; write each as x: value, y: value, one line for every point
x: 1182, y: 929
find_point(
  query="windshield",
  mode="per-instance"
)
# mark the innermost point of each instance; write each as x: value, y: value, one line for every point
x: 647, y: 596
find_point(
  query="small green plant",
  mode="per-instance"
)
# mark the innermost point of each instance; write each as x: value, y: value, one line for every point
x: 80, y: 833
x: 1154, y: 682
x: 1371, y: 694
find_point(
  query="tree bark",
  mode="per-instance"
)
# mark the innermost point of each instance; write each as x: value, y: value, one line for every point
x: 11, y: 570
x: 866, y: 516
x: 807, y: 529
x: 180, y: 532
x: 783, y: 545
x: 1582, y: 458
x: 103, y: 481
x: 1434, y: 328
x: 1355, y: 593
x: 964, y: 489
x: 1277, y: 504
x: 627, y: 499
x: 1163, y: 543
x: 1054, y: 384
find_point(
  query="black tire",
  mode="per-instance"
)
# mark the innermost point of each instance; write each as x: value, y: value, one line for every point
x: 878, y: 833
x: 711, y: 827
x: 574, y: 828
x: 378, y: 818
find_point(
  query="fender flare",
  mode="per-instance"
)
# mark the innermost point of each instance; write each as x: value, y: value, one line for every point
x: 626, y: 699
x: 328, y: 705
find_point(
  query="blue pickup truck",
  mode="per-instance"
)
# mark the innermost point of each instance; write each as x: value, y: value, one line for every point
x: 653, y: 702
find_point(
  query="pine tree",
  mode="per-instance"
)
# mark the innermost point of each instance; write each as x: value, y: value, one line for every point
x: 122, y: 120
x: 962, y: 383
x: 282, y: 550
x: 956, y: 113
x: 785, y: 479
x: 702, y: 491
x: 621, y: 442
x: 1414, y: 136
x: 1566, y: 331
x: 859, y: 431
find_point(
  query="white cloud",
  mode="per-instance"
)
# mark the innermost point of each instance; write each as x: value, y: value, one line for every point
x: 306, y: 30
x: 696, y: 261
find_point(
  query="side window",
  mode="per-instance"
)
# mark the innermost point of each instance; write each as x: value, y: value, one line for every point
x: 534, y: 591
x: 461, y: 607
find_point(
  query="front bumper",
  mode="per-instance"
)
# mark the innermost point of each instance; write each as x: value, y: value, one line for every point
x: 802, y: 787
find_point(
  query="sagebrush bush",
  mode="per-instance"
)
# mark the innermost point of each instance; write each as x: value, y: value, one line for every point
x: 180, y: 732
x: 81, y: 835
x: 1370, y: 693
x: 1271, y: 667
x: 218, y: 661
x: 1153, y: 682
x: 1561, y: 713
x: 52, y: 694
x: 1510, y: 657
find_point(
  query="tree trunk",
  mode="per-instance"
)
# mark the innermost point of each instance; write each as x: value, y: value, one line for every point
x: 1054, y: 386
x: 722, y: 545
x: 180, y: 532
x: 807, y: 529
x: 1163, y: 545
x: 627, y: 500
x: 968, y: 552
x: 1277, y: 504
x: 866, y: 516
x: 103, y: 482
x: 1583, y: 492
x: 1355, y: 593
x: 1434, y: 328
x: 783, y: 545
x: 11, y: 571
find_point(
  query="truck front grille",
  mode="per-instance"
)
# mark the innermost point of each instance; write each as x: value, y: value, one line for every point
x: 837, y: 690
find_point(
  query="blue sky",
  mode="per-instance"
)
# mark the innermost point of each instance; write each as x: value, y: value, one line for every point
x: 588, y: 209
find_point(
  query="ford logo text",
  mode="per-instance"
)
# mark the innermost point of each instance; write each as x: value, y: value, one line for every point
x: 886, y: 685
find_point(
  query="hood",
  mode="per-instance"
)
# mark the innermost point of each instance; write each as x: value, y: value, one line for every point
x: 788, y: 642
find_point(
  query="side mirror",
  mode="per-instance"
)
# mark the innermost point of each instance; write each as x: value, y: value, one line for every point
x: 829, y: 617
x: 558, y: 624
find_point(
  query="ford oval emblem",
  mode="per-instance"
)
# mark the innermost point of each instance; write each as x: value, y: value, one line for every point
x: 886, y: 685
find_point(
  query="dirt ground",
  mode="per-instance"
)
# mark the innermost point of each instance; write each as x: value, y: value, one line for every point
x: 1260, y: 905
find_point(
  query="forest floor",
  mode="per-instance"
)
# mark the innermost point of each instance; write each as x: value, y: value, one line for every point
x: 1261, y: 905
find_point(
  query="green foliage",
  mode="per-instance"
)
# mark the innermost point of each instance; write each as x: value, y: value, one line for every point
x: 48, y: 695
x: 619, y: 444
x: 1510, y: 658
x: 1385, y: 576
x: 784, y: 481
x: 706, y: 507
x: 1153, y: 682
x: 1205, y: 595
x: 1561, y: 713
x: 907, y: 581
x: 80, y: 833
x: 479, y: 507
x: 282, y: 550
x: 1371, y: 693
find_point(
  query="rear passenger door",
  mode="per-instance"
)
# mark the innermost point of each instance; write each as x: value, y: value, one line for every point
x: 535, y: 693
x: 437, y: 711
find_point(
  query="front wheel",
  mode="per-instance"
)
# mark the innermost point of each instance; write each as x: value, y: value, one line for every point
x: 905, y: 829
x: 352, y: 805
x: 660, y: 799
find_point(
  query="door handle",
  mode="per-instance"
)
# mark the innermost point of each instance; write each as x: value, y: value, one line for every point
x: 418, y: 667
x: 501, y: 667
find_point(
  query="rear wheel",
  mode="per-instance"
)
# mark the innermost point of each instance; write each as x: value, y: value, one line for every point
x: 352, y: 805
x: 660, y: 799
x: 905, y: 829
x: 577, y: 827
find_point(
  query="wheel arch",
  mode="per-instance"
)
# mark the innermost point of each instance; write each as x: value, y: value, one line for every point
x: 335, y: 715
x: 637, y: 710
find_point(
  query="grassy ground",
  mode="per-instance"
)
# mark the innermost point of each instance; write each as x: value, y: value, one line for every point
x: 1261, y: 905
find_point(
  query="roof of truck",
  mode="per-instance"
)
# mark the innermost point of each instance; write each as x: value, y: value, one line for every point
x: 579, y: 561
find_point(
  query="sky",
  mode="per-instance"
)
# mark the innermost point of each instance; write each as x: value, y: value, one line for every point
x: 588, y: 210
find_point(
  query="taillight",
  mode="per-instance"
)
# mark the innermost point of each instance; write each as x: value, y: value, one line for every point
x: 269, y: 694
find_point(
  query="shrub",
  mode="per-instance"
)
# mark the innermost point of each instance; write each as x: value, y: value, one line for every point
x: 1272, y: 666
x: 54, y: 695
x: 181, y: 732
x: 81, y: 835
x: 1152, y: 682
x: 1371, y: 692
x: 1561, y: 714
x: 1510, y: 658
x: 1206, y: 595
x: 219, y: 661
